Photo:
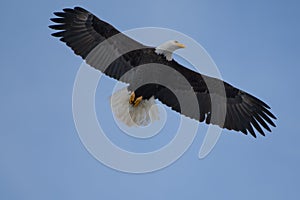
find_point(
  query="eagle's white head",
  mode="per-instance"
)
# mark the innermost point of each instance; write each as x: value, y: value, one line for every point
x: 168, y: 48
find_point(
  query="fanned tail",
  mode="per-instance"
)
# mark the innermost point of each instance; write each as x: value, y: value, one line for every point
x: 141, y: 115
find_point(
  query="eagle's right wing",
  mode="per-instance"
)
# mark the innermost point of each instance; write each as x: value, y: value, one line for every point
x: 218, y: 103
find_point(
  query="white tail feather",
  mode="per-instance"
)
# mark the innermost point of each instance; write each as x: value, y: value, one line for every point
x: 141, y: 115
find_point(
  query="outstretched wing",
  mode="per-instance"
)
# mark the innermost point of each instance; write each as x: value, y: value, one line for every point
x: 240, y: 112
x: 96, y: 41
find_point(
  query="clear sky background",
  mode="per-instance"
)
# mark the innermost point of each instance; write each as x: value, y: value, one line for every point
x: 256, y: 46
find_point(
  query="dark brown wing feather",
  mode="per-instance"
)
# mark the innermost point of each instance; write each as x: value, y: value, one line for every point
x: 92, y: 38
x: 244, y: 112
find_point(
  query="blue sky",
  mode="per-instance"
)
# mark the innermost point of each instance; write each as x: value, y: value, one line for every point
x: 256, y: 46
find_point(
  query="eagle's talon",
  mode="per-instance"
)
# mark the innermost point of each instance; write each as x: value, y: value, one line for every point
x: 132, y: 97
x: 137, y: 101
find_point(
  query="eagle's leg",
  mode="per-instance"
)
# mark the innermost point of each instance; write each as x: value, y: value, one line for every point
x: 132, y: 98
x: 135, y: 101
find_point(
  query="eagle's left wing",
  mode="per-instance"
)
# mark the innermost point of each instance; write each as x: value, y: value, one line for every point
x: 96, y: 41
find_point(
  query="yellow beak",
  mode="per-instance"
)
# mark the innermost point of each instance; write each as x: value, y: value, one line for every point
x: 180, y: 45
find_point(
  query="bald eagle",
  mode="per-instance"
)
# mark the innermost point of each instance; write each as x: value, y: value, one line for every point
x: 105, y: 48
